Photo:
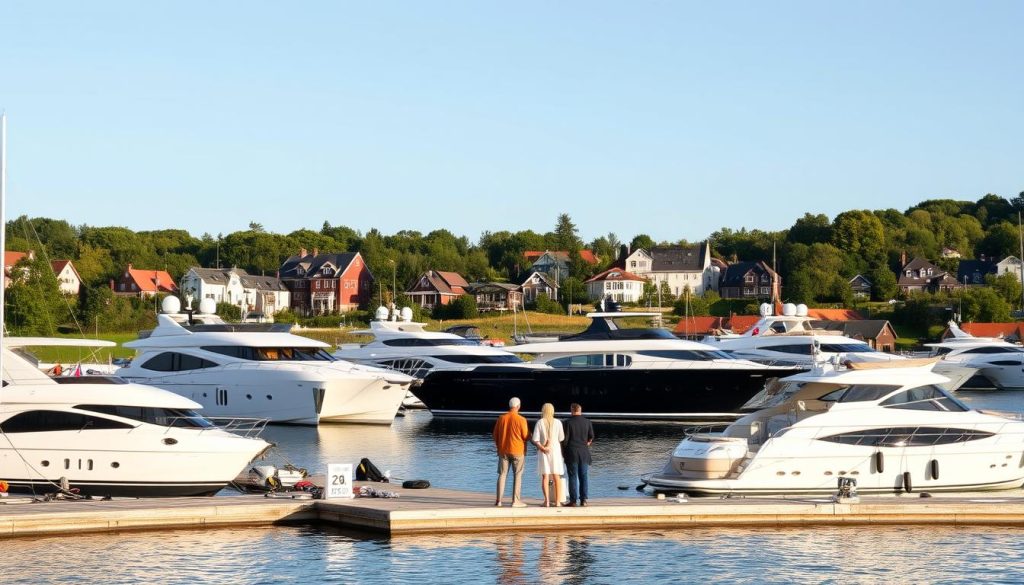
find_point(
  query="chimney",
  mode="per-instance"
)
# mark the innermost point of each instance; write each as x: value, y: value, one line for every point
x: 624, y: 251
x: 903, y: 258
x: 316, y: 251
x: 302, y: 253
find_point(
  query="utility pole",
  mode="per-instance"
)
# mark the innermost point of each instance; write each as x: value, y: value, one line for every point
x: 1020, y: 231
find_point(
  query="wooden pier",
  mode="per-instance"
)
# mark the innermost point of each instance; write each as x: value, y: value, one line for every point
x: 437, y: 510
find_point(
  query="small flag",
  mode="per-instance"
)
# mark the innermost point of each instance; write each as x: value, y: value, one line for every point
x: 78, y: 371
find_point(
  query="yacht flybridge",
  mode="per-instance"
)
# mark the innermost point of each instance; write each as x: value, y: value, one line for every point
x: 617, y: 371
x: 890, y: 428
x: 265, y: 374
x: 999, y: 363
x: 791, y: 339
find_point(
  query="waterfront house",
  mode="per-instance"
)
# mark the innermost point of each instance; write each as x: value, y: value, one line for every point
x: 11, y: 260
x: 143, y: 283
x: 920, y: 275
x: 617, y: 284
x: 861, y: 287
x: 256, y: 296
x: 1011, y: 265
x: 556, y: 263
x: 496, y: 296
x: 435, y: 287
x: 681, y: 267
x: 326, y: 283
x: 973, y: 272
x: 752, y: 280
x: 878, y: 333
x: 68, y: 280
x: 948, y: 252
x: 536, y: 283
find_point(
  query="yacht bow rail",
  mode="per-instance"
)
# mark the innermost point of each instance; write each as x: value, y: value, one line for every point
x: 249, y: 428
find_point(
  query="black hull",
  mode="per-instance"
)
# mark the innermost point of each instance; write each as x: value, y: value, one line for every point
x: 119, y: 490
x: 634, y: 394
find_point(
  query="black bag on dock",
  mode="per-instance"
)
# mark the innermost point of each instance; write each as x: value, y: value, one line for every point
x: 367, y: 471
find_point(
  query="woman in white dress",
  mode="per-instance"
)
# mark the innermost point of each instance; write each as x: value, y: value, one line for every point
x: 548, y: 435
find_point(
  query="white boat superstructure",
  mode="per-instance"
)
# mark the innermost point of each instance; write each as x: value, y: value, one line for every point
x: 409, y: 348
x: 997, y: 360
x: 889, y: 428
x: 264, y: 374
x: 791, y: 339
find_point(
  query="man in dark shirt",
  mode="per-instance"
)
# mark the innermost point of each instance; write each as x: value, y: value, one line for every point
x: 579, y: 434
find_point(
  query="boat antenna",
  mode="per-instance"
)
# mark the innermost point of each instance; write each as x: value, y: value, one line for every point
x: 3, y: 226
x: 1020, y: 231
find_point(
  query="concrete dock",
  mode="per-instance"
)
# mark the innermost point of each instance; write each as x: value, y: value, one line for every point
x: 437, y: 510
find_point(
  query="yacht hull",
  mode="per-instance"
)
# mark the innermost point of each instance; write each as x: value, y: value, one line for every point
x: 691, y: 394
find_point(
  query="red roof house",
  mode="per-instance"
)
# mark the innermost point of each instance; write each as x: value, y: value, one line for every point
x: 435, y: 287
x: 144, y: 283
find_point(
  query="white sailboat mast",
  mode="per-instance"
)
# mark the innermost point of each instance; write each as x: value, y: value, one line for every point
x: 3, y: 227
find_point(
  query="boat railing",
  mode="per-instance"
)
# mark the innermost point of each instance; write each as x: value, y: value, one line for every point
x: 250, y: 428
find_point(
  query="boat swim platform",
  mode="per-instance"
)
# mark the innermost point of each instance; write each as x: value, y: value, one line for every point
x: 438, y: 511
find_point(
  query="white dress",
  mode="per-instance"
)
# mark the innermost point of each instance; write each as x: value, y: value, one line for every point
x: 550, y: 462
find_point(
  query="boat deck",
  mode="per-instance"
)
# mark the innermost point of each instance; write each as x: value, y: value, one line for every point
x: 437, y: 510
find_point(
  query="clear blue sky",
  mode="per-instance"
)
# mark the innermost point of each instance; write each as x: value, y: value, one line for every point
x: 666, y: 118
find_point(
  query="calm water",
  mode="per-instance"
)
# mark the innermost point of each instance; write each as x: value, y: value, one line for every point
x: 460, y: 454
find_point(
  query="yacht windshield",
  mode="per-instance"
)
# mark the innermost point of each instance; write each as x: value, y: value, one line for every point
x: 858, y: 393
x: 847, y: 348
x: 164, y: 417
x: 419, y: 342
x: 925, y: 398
x: 272, y: 354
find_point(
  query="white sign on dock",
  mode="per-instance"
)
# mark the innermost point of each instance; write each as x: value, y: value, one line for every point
x: 339, y: 481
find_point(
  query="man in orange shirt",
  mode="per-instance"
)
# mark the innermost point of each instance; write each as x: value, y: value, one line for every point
x: 510, y: 434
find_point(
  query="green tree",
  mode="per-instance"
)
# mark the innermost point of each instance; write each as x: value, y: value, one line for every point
x: 641, y: 241
x: 1007, y: 286
x: 34, y: 303
x: 883, y: 283
x: 811, y: 229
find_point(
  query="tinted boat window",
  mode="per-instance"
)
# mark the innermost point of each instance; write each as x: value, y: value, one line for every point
x: 847, y: 348
x: 272, y: 354
x: 858, y: 393
x: 416, y: 342
x: 39, y: 421
x: 593, y: 360
x: 802, y: 349
x: 908, y: 436
x: 478, y: 359
x: 686, y: 354
x: 165, y: 417
x: 170, y: 361
x: 995, y: 349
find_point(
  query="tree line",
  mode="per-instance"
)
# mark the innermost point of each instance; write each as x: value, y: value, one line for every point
x: 816, y: 256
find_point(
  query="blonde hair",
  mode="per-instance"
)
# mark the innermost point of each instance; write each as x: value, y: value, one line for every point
x: 547, y: 412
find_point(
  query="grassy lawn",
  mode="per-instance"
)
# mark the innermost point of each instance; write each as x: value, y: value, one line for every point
x: 74, y: 355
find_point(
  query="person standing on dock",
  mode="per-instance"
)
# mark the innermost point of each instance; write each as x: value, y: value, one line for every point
x: 579, y: 434
x: 510, y: 435
x: 547, y: 436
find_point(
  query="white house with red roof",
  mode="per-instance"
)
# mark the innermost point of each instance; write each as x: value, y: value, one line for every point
x: 682, y: 267
x: 137, y: 282
x: 435, y: 287
x: 616, y: 283
x: 68, y: 280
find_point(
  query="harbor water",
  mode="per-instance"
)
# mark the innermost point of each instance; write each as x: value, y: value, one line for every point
x: 459, y: 454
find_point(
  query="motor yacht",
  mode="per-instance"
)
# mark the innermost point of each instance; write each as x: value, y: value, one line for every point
x: 236, y: 371
x: 999, y: 363
x: 107, y: 437
x: 615, y: 370
x: 889, y: 428
x: 792, y: 339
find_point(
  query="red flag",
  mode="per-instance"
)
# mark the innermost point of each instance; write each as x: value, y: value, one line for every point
x: 78, y: 371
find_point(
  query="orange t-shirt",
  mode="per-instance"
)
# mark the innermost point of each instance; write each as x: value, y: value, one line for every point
x: 510, y: 434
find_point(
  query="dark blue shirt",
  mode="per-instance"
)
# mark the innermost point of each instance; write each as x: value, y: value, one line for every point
x: 578, y: 433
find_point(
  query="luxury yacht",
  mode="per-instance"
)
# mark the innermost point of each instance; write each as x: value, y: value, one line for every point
x: 107, y: 437
x: 890, y: 428
x: 235, y: 371
x: 616, y: 372
x: 999, y: 363
x: 791, y: 339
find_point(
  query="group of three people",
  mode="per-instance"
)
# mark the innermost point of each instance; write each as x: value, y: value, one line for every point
x: 560, y: 449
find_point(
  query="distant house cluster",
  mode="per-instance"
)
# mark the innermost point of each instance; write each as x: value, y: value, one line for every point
x: 68, y: 280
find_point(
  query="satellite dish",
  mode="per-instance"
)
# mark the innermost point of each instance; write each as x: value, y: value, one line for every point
x: 406, y: 314
x: 170, y: 305
x: 789, y: 309
x: 207, y: 306
x: 765, y: 309
x: 381, y: 314
x: 801, y: 310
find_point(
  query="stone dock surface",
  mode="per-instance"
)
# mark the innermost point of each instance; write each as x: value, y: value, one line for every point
x: 438, y: 510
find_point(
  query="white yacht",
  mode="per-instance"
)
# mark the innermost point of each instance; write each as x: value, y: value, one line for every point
x: 239, y: 371
x: 402, y: 345
x: 791, y: 339
x: 998, y: 362
x: 107, y: 437
x: 889, y: 428
x: 617, y: 371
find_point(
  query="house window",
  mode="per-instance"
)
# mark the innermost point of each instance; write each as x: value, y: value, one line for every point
x: 632, y: 264
x: 748, y: 278
x: 910, y: 273
x: 764, y: 290
x: 764, y: 278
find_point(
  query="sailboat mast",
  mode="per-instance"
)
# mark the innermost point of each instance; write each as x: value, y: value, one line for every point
x: 3, y: 226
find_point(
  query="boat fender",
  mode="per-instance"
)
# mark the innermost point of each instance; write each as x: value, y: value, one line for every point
x: 641, y: 487
x: 879, y: 462
x: 935, y: 469
x: 925, y: 495
x: 416, y: 484
x: 907, y: 486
